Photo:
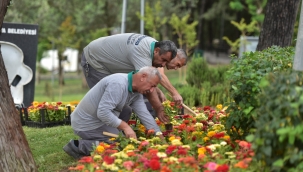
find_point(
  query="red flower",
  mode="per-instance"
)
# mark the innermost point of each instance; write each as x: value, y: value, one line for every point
x: 170, y: 149
x: 172, y: 104
x: 219, y: 135
x: 154, y: 164
x: 222, y: 168
x: 109, y: 160
x: 86, y: 159
x: 186, y: 116
x: 182, y: 151
x: 186, y: 121
x: 130, y: 122
x: 206, y: 108
x: 59, y: 103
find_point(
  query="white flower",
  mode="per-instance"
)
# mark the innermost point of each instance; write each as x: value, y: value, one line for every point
x: 161, y: 155
x: 223, y: 143
x: 210, y: 123
x: 198, y: 125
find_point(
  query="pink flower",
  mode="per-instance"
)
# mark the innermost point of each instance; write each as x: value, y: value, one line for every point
x: 128, y: 164
x: 212, y: 166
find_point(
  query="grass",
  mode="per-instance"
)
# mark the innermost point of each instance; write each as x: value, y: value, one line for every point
x: 46, y: 145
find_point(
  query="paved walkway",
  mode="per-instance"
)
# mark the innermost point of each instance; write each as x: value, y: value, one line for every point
x: 215, y: 59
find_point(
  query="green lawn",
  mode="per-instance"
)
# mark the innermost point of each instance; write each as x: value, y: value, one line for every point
x: 46, y: 145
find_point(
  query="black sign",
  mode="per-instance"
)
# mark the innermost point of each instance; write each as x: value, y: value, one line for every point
x: 25, y: 36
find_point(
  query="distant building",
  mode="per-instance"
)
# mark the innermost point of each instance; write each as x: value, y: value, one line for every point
x: 51, y: 62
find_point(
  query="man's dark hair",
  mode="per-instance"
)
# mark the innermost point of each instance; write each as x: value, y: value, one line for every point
x: 167, y: 46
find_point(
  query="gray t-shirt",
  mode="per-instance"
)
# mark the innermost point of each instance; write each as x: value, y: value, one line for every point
x: 120, y: 53
x: 103, y: 103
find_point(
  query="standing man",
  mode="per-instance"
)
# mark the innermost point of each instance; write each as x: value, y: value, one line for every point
x: 100, y: 108
x: 122, y: 53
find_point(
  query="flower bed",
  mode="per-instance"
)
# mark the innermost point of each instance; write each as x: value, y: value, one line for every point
x: 196, y: 143
x: 47, y: 114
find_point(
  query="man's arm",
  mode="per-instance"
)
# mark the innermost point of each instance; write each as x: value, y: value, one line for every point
x: 169, y: 87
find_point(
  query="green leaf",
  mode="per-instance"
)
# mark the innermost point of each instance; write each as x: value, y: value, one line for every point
x: 278, y: 163
x: 248, y: 110
x: 250, y: 138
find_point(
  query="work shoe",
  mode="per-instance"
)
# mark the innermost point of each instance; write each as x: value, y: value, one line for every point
x: 72, y: 150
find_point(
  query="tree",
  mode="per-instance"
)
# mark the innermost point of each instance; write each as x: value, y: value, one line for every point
x: 279, y: 22
x: 15, y: 152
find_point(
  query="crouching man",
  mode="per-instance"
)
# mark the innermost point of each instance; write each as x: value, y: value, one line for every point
x: 99, y: 110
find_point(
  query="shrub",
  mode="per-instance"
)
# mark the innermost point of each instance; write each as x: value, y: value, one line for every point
x: 278, y: 137
x: 244, y: 76
x: 207, y: 86
x: 198, y: 72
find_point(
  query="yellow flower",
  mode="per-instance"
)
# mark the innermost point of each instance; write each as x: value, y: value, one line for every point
x: 211, y: 133
x: 171, y: 138
x: 219, y: 106
x: 205, y: 139
x: 97, y: 157
x: 226, y: 137
x: 118, y: 161
x: 35, y: 103
x: 141, y: 128
x: 176, y: 142
x: 129, y: 147
x: 201, y: 150
x: 100, y: 149
x: 112, y: 139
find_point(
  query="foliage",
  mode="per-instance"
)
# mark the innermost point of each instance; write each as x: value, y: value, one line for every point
x: 206, y: 86
x: 255, y: 8
x: 153, y: 19
x: 187, y: 35
x: 244, y: 76
x: 278, y: 137
x: 197, y: 143
x: 245, y: 29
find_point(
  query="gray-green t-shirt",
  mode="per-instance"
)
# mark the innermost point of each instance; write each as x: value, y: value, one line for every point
x: 120, y: 53
x: 103, y: 103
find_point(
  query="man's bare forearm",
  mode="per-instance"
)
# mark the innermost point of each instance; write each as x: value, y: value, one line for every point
x: 166, y: 83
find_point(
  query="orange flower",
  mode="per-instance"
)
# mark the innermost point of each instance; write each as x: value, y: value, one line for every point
x: 165, y: 169
x: 244, y: 163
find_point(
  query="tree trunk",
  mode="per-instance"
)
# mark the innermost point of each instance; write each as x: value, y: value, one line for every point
x: 15, y: 152
x: 278, y: 25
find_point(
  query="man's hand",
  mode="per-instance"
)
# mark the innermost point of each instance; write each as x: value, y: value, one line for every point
x: 162, y: 117
x: 128, y: 131
x: 177, y: 98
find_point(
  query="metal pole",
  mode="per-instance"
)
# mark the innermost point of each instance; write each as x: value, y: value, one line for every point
x: 123, y: 16
x: 298, y: 61
x: 142, y: 16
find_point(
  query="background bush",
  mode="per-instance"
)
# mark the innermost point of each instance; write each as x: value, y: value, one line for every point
x: 244, y: 76
x: 278, y: 139
x: 205, y: 85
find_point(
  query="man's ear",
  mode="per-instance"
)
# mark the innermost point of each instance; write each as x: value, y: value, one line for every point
x: 143, y: 77
x: 156, y: 50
